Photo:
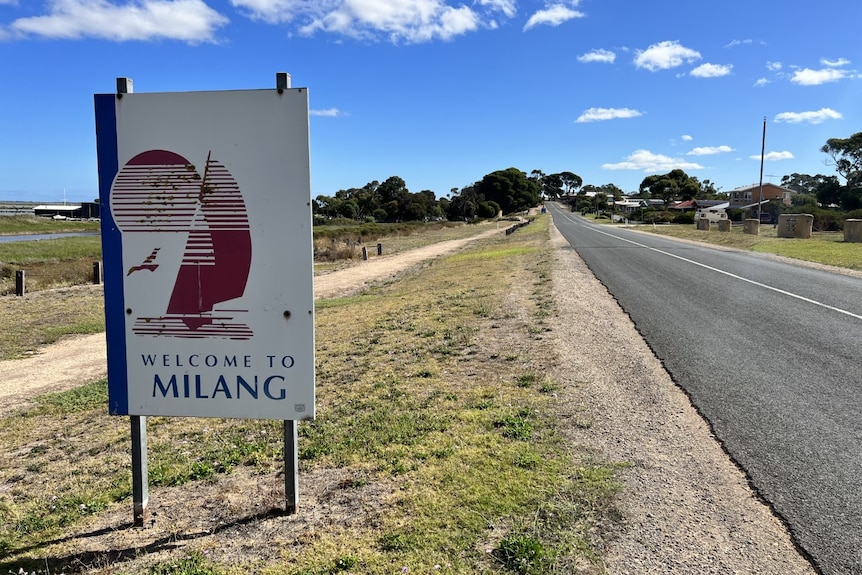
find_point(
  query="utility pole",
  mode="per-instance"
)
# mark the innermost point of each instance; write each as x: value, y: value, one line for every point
x: 762, y: 156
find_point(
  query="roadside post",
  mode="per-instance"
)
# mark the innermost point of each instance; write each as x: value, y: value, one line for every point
x: 207, y: 315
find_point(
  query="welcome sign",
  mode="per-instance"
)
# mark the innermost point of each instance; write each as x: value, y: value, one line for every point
x: 207, y: 247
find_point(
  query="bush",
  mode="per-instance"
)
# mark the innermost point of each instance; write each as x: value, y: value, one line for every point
x: 486, y: 210
x: 825, y: 220
x: 683, y: 218
x: 735, y: 214
x: 854, y: 215
x: 657, y: 217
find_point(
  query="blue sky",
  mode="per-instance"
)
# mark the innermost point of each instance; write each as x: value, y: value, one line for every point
x: 441, y: 92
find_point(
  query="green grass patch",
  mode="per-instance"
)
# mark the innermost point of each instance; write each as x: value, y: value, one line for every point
x: 508, y: 252
x: 823, y: 247
x: 61, y: 249
x: 29, y: 224
x: 192, y: 564
x: 92, y: 395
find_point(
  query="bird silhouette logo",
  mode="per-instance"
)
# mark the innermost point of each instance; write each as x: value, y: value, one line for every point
x: 161, y: 193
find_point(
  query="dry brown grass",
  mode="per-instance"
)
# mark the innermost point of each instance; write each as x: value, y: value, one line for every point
x: 42, y: 317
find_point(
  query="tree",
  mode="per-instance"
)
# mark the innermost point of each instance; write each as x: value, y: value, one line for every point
x: 571, y: 181
x: 668, y: 187
x: 465, y: 205
x: 846, y: 155
x: 829, y: 191
x: 552, y: 185
x: 803, y: 183
x: 612, y: 191
x: 707, y: 191
x: 538, y: 176
x: 510, y: 188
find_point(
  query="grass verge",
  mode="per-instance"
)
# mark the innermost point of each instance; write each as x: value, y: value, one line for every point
x: 43, y: 317
x: 430, y: 389
x: 823, y: 247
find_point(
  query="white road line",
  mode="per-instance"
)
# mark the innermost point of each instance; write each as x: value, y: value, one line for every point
x: 752, y: 282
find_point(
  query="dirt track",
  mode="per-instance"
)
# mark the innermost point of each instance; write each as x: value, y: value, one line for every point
x: 78, y: 359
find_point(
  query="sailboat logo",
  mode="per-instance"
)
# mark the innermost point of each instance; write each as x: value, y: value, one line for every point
x: 160, y: 193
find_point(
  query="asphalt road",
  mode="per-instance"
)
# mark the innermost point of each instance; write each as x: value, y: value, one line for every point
x: 770, y: 353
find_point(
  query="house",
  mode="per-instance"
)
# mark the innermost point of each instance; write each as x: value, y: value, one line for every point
x: 748, y: 195
x: 693, y: 205
x: 628, y: 205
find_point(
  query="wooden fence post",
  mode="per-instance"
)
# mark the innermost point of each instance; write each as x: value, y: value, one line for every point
x: 20, y: 287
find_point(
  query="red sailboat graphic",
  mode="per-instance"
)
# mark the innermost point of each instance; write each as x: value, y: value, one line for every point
x: 161, y: 192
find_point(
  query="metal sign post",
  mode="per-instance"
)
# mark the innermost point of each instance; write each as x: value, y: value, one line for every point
x: 207, y: 315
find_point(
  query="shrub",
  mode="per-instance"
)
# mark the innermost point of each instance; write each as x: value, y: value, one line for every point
x: 683, y: 218
x: 657, y: 217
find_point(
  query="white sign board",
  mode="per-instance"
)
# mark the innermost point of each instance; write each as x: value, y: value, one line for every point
x: 207, y: 247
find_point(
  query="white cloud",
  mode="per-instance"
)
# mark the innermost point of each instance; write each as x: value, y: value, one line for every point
x: 734, y: 43
x: 814, y: 117
x: 271, y: 10
x: 709, y: 150
x: 650, y: 162
x: 665, y: 55
x: 552, y: 16
x: 774, y: 66
x: 507, y: 7
x: 761, y: 82
x: 809, y: 77
x: 603, y: 56
x: 328, y: 113
x: 411, y: 21
x: 712, y: 70
x: 774, y: 156
x: 834, y: 63
x: 599, y: 114
x: 187, y: 20
x: 687, y: 138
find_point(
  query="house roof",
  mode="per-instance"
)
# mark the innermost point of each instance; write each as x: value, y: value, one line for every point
x: 59, y: 207
x: 686, y: 205
x: 711, y: 203
x: 757, y: 186
x: 754, y: 205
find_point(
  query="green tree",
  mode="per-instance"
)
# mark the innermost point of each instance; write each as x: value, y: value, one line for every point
x: 708, y: 191
x: 464, y: 205
x: 846, y: 156
x: 675, y: 184
x: 510, y: 188
x: 571, y: 181
x: 538, y: 176
x: 552, y: 185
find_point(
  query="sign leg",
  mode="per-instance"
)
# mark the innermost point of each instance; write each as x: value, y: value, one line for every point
x: 140, y: 490
x: 291, y: 468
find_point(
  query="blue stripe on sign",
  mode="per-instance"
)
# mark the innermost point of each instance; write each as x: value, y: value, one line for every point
x: 112, y: 255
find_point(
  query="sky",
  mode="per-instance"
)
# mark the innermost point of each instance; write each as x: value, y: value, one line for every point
x: 442, y: 92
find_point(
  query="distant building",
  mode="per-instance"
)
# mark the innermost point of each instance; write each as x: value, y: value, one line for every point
x: 82, y: 211
x: 17, y: 208
x: 693, y: 205
x: 748, y: 195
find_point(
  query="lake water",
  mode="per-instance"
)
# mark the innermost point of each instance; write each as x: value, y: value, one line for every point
x: 37, y: 237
